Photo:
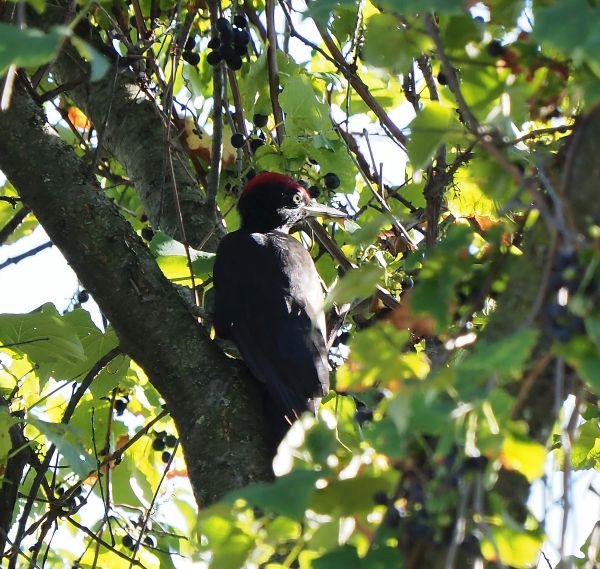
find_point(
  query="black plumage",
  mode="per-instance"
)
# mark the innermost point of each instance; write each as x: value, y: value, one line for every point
x: 268, y: 295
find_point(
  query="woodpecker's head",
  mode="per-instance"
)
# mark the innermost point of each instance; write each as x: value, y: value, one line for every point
x: 275, y: 201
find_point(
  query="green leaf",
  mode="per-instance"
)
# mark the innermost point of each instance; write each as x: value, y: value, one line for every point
x: 99, y: 64
x: 434, y: 125
x: 580, y: 39
x: 350, y: 496
x: 584, y: 449
x: 592, y: 326
x: 389, y: 44
x: 29, y: 47
x: 45, y: 337
x: 289, y: 495
x: 6, y: 421
x: 409, y: 7
x: 505, y: 357
x: 70, y: 443
x: 356, y: 283
x: 346, y: 557
x: 304, y: 111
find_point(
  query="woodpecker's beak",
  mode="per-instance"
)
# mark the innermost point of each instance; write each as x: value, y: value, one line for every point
x: 315, y: 209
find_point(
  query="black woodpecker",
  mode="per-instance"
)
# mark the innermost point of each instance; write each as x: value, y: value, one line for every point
x: 268, y: 295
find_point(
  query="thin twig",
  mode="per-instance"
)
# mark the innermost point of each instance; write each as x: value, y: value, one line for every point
x: 274, y: 70
x: 18, y: 258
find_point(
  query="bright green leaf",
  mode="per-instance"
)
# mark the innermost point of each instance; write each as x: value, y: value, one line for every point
x: 356, y: 283
x: 434, y: 125
x: 28, y: 47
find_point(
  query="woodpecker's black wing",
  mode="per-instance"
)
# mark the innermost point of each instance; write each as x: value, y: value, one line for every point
x: 268, y: 300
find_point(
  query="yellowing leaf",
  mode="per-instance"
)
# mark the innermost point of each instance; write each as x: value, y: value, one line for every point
x: 524, y: 455
x: 516, y: 547
x: 78, y: 118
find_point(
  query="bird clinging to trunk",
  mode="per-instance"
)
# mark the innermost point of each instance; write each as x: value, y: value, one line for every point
x: 268, y: 295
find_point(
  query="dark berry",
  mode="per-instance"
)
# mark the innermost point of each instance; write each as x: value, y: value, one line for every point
x: 363, y: 415
x: 83, y: 296
x: 190, y: 44
x: 442, y: 78
x: 143, y: 218
x: 392, y: 517
x: 166, y: 456
x: 60, y: 491
x: 128, y: 542
x: 240, y: 50
x: 147, y: 233
x: 160, y: 434
x: 255, y: 144
x: 303, y: 183
x: 476, y: 463
x: 251, y: 173
x: 234, y: 63
x: 191, y: 57
x: 381, y: 498
x: 214, y: 43
x: 227, y: 51
x: 260, y: 120
x: 223, y: 25
x: 158, y: 445
x: 170, y: 441
x: 331, y: 181
x: 150, y: 541
x: 314, y: 192
x: 407, y: 282
x: 213, y: 57
x: 241, y: 37
x: 240, y: 21
x: 237, y: 140
x: 120, y: 406
x: 495, y: 48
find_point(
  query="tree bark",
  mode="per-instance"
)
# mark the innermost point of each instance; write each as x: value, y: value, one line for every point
x: 212, y: 399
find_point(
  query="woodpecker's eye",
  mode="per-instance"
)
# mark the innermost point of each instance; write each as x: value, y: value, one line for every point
x: 297, y: 199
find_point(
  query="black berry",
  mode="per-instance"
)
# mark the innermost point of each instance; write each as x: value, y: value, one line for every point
x: 363, y: 415
x: 392, y: 517
x: 150, y: 541
x: 240, y: 21
x: 128, y: 542
x: 214, y: 43
x: 227, y: 51
x: 213, y: 57
x: 147, y: 233
x: 170, y: 441
x: 381, y: 498
x: 241, y: 37
x: 314, y: 192
x: 331, y: 181
x: 190, y: 44
x: 223, y: 25
x: 240, y: 50
x: 158, y: 445
x: 260, y: 120
x: 407, y: 282
x: 477, y: 463
x: 442, y: 78
x: 120, y: 406
x: 237, y: 140
x: 255, y: 144
x: 166, y: 456
x: 234, y: 63
x: 191, y: 57
x: 83, y: 296
x: 495, y: 48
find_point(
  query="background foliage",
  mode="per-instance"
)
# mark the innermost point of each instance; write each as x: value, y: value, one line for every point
x: 460, y: 137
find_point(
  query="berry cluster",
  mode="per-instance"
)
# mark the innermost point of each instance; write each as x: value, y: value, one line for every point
x: 231, y: 44
x: 255, y: 142
x: 73, y: 502
x: 161, y: 442
x: 187, y: 54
